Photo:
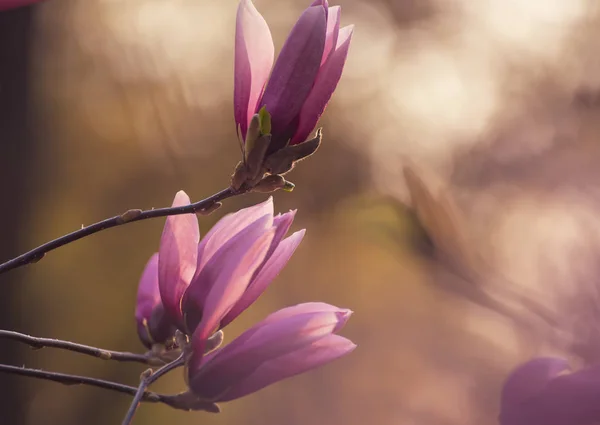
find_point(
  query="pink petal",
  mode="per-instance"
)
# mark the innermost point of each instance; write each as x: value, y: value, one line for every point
x: 282, y: 223
x: 531, y: 378
x: 265, y: 276
x: 333, y: 29
x: 342, y: 314
x: 148, y: 295
x: 296, y: 327
x: 177, y: 257
x: 538, y: 394
x: 148, y: 298
x: 225, y: 277
x: 311, y: 357
x: 254, y: 53
x: 228, y: 227
x: 295, y: 69
x: 152, y: 324
x: 325, y: 85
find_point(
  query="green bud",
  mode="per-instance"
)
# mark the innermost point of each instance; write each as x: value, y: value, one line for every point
x: 288, y: 186
x: 264, y: 120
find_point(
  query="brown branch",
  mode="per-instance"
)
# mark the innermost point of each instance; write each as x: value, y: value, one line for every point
x: 148, y: 378
x: 37, y: 343
x: 67, y: 379
x: 129, y: 216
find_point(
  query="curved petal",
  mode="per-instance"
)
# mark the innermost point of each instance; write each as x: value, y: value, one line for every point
x: 267, y: 340
x: 300, y: 324
x: 282, y: 224
x: 271, y: 268
x: 317, y: 354
x: 148, y: 297
x: 228, y: 227
x: 177, y: 257
x: 325, y: 85
x: 295, y: 69
x: 333, y: 28
x: 539, y: 393
x: 254, y: 53
x: 531, y: 378
x: 225, y: 277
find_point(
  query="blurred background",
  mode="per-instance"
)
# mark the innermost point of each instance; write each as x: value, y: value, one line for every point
x: 453, y: 204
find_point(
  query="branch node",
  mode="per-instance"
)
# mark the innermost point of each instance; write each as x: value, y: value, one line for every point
x: 128, y: 216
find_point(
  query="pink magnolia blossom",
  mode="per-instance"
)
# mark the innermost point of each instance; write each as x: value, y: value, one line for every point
x: 304, y: 77
x: 204, y: 284
x: 544, y: 391
x: 289, y: 342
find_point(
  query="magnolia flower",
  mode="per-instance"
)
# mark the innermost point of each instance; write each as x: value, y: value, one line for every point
x: 11, y: 4
x: 289, y: 342
x: 204, y: 285
x: 152, y: 324
x: 274, y: 112
x: 543, y: 391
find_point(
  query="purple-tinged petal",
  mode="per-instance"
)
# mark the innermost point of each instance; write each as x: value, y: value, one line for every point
x: 148, y: 297
x: 223, y: 280
x: 539, y: 393
x: 254, y: 53
x: 228, y: 227
x: 282, y: 224
x: 296, y: 325
x: 269, y: 271
x: 333, y: 29
x: 152, y: 324
x: 281, y: 333
x: 295, y: 69
x: 323, y: 3
x: 342, y: 314
x: 311, y: 357
x: 177, y: 257
x: 531, y: 378
x: 325, y: 85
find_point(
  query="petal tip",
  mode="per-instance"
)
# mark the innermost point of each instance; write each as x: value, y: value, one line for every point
x: 181, y: 198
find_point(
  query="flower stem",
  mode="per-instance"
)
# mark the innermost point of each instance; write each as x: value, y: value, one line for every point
x: 128, y: 217
x: 38, y: 343
x: 147, y: 379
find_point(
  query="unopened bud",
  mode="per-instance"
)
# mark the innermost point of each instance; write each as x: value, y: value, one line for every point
x: 129, y: 215
x: 256, y: 157
x: 240, y: 175
x: 283, y: 160
x: 252, y: 135
x: 264, y: 121
x: 146, y: 374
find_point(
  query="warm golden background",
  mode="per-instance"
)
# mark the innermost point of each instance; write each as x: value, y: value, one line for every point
x: 107, y: 105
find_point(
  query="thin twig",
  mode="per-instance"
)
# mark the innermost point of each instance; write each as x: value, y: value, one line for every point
x: 37, y: 343
x: 128, y: 217
x: 148, y: 378
x: 67, y: 379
